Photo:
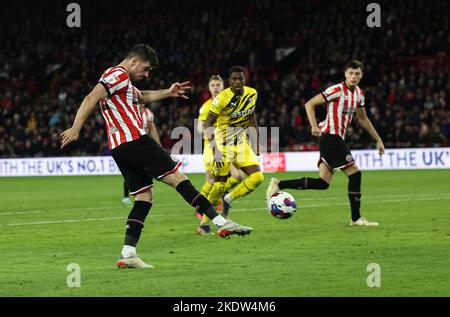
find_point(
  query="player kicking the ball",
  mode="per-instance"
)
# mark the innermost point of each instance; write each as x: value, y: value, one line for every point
x: 343, y: 100
x: 139, y: 157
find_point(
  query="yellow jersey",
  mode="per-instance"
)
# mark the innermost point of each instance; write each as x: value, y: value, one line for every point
x: 233, y: 112
x: 203, y: 113
x: 204, y: 110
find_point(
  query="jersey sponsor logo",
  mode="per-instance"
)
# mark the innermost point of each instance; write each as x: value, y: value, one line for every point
x: 243, y: 113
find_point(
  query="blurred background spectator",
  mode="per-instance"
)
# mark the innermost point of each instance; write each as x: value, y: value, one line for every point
x: 46, y: 68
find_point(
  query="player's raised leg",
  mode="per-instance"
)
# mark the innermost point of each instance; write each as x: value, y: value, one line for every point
x: 248, y: 185
x: 184, y: 186
x: 320, y: 183
x: 236, y: 176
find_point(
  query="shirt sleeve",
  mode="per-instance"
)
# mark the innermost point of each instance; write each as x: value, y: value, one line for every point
x: 362, y: 99
x: 256, y: 97
x: 151, y: 116
x: 115, y: 81
x: 332, y: 93
x: 203, y: 113
x: 217, y: 105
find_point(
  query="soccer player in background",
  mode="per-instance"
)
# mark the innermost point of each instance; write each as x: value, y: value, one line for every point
x: 139, y: 157
x: 215, y: 86
x: 232, y: 112
x: 343, y: 100
x: 148, y: 122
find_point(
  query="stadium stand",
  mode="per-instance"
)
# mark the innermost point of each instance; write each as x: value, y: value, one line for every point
x: 46, y: 67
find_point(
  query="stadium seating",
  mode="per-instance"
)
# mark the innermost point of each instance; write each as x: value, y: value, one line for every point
x: 46, y: 71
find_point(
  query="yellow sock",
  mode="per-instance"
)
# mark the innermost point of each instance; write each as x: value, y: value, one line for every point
x: 206, y: 189
x: 231, y: 182
x: 246, y: 187
x: 214, y: 195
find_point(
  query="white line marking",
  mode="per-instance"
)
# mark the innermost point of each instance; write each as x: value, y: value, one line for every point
x: 233, y: 210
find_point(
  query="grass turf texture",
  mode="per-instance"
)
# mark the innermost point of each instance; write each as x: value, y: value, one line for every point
x: 47, y: 223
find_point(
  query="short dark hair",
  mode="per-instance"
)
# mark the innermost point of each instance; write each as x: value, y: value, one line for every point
x: 145, y: 53
x: 354, y: 63
x: 236, y: 69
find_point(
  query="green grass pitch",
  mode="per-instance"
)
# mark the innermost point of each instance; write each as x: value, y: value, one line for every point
x: 47, y: 223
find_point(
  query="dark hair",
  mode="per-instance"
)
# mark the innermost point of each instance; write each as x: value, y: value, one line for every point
x: 354, y: 63
x: 145, y: 53
x: 236, y: 69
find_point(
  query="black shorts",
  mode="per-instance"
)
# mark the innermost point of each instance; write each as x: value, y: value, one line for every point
x: 142, y: 160
x: 334, y: 153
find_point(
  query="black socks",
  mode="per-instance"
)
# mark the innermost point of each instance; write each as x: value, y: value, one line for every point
x: 135, y: 222
x: 195, y: 199
x: 354, y: 194
x: 304, y: 183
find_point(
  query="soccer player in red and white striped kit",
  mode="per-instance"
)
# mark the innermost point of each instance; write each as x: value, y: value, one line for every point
x: 343, y: 100
x: 148, y: 123
x: 139, y: 157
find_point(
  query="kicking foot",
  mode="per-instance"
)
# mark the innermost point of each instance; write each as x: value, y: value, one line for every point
x: 363, y: 222
x: 132, y: 262
x: 230, y: 227
x: 273, y: 188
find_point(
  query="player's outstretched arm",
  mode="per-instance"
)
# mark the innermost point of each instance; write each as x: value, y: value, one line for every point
x: 310, y: 105
x: 86, y: 108
x: 177, y: 90
x: 367, y: 125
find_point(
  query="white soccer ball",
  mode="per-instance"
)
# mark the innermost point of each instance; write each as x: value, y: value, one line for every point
x: 282, y: 205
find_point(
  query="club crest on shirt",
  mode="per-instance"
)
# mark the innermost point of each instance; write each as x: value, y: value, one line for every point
x: 112, y: 79
x: 349, y: 158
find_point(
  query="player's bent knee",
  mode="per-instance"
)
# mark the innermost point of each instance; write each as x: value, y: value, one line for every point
x: 322, y: 184
x: 254, y: 180
x: 174, y: 179
x: 144, y: 196
x: 219, y: 187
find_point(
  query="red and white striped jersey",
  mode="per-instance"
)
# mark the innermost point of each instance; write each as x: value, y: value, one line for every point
x: 120, y: 109
x: 341, y: 105
x: 147, y: 118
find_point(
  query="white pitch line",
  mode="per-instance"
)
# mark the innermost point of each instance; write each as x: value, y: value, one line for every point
x: 50, y: 222
x: 156, y: 205
x: 233, y: 210
x: 21, y: 212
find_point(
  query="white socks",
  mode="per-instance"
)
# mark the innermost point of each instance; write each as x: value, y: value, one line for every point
x: 219, y: 221
x: 128, y: 251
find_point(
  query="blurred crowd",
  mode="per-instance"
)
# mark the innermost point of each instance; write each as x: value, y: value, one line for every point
x: 46, y: 68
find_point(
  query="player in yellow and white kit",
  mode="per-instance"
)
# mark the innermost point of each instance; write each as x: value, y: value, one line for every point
x: 215, y: 85
x: 232, y: 112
